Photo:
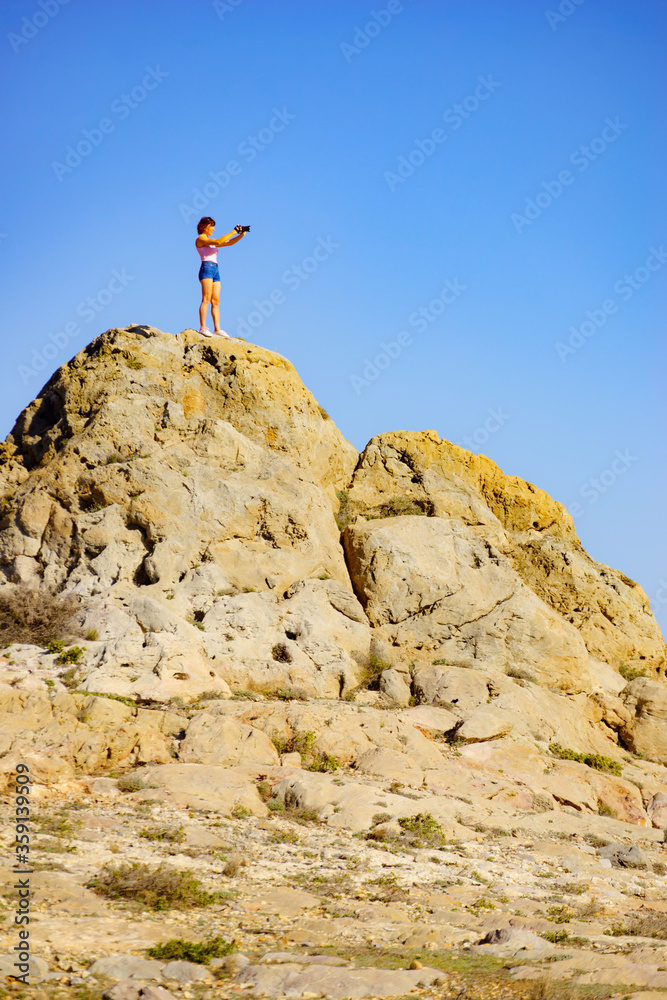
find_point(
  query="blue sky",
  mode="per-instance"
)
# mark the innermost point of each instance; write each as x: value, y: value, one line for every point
x: 481, y: 182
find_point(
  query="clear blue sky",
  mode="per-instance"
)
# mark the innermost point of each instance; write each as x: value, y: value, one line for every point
x: 316, y: 113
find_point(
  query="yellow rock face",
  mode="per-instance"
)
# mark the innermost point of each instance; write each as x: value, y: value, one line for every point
x: 404, y: 473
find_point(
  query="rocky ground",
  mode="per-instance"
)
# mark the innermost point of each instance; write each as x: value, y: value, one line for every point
x: 329, y: 878
x: 337, y: 724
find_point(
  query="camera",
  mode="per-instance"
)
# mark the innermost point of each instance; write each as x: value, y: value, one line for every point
x: 242, y: 229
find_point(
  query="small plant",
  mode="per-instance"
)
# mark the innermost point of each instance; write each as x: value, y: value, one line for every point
x: 131, y: 783
x: 344, y: 515
x: 284, y: 837
x: 161, y: 888
x: 74, y: 654
x: 441, y: 663
x: 178, y: 950
x: 381, y: 818
x: 519, y: 673
x: 133, y: 363
x: 630, y: 673
x: 92, y: 635
x: 56, y: 647
x: 372, y: 668
x: 323, y: 413
x: 325, y: 762
x: 422, y: 830
x: 559, y: 914
x: 605, y: 810
x: 324, y: 576
x: 240, y: 812
x: 594, y: 760
x: 302, y: 741
x: 555, y: 937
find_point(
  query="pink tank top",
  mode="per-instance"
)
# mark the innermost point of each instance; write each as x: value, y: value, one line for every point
x: 207, y: 252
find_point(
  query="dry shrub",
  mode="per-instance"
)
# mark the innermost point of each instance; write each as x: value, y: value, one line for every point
x: 550, y: 989
x: 161, y: 888
x: 35, y: 616
x: 643, y: 925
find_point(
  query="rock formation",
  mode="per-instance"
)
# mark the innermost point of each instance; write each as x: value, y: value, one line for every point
x: 406, y: 646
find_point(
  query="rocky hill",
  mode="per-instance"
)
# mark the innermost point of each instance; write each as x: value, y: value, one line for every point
x: 405, y: 646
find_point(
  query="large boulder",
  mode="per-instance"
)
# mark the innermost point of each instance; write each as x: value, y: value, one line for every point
x: 646, y: 732
x: 421, y: 471
x: 434, y: 587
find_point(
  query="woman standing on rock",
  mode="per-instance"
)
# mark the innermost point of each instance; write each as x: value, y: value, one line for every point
x: 209, y: 275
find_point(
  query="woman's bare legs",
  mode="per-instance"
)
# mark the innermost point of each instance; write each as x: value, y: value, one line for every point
x: 215, y: 305
x: 206, y: 294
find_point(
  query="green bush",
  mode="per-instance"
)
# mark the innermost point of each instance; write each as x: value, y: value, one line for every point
x: 594, y: 760
x: 74, y: 654
x: 178, y: 950
x: 161, y: 888
x: 422, y: 830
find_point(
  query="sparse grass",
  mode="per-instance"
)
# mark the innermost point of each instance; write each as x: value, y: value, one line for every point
x: 284, y: 837
x: 55, y: 826
x: 605, y: 810
x: 372, y: 668
x: 550, y: 989
x: 572, y: 888
x: 389, y: 891
x: 161, y: 888
x: 519, y: 673
x: 652, y: 925
x: 400, y: 507
x: 240, y: 812
x: 179, y: 950
x: 287, y: 694
x: 34, y: 615
x: 131, y: 783
x: 594, y: 760
x: 133, y: 363
x: 171, y: 834
x: 113, y: 697
x: 92, y: 635
x: 630, y: 673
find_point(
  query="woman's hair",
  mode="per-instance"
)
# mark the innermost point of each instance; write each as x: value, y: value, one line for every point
x: 204, y: 222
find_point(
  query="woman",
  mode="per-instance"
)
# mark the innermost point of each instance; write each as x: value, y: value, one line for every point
x: 209, y: 275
